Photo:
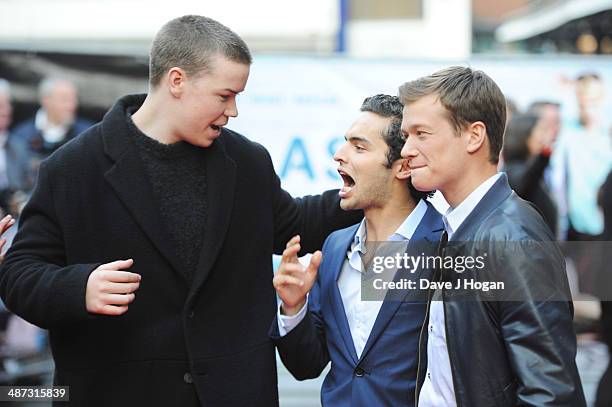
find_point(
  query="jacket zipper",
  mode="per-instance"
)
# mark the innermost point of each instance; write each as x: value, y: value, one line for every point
x: 450, y: 360
x: 416, y: 388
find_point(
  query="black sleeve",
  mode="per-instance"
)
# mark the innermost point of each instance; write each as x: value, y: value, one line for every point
x: 527, y: 179
x: 35, y: 281
x: 304, y: 349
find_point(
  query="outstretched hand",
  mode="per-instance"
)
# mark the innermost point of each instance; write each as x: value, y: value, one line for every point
x: 292, y: 280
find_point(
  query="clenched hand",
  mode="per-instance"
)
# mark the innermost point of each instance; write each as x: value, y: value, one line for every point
x: 110, y: 289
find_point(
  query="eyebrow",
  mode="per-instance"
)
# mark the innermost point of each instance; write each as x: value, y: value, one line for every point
x: 417, y: 125
x: 231, y: 90
x: 357, y: 139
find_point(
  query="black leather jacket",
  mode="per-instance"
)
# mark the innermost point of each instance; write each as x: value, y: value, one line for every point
x: 510, y: 353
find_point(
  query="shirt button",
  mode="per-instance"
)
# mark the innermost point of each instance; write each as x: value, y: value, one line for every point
x: 187, y: 378
x: 430, y: 328
x: 359, y: 372
x: 429, y: 375
x: 191, y: 314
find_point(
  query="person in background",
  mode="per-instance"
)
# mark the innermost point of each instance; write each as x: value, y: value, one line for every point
x: 511, y: 109
x: 53, y: 125
x: 527, y: 148
x: 581, y: 161
x: 13, y: 155
x: 549, y: 115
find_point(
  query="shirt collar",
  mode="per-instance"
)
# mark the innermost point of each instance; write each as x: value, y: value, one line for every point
x: 403, y: 232
x: 454, y: 217
x: 50, y: 132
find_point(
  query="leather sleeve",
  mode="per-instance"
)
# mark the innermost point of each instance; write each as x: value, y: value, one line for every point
x: 538, y: 330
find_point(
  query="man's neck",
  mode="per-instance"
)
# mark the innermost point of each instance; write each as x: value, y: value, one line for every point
x: 150, y: 120
x: 383, y: 222
x: 468, y: 182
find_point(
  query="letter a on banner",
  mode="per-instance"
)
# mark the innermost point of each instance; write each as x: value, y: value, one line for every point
x: 297, y: 159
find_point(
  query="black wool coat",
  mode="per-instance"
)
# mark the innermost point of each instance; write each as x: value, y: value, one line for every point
x: 179, y: 344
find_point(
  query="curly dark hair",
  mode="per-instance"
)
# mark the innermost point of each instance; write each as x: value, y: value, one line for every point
x: 391, y: 107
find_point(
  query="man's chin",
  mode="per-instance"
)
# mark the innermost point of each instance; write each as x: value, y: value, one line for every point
x: 420, y: 183
x: 203, y: 142
x: 346, y: 205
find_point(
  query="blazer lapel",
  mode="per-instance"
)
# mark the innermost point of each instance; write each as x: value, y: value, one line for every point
x: 429, y: 229
x: 338, y: 257
x: 221, y: 182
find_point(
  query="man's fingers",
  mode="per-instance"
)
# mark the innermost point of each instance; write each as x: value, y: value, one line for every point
x: 118, y: 299
x: 6, y: 223
x: 120, y: 276
x: 286, y: 280
x: 113, y: 310
x: 120, y: 288
x: 290, y: 253
x: 118, y: 265
x: 295, y: 239
x: 315, y: 262
x: 2, y: 243
x: 291, y: 269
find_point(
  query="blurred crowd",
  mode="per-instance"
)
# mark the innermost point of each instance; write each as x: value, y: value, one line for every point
x: 23, y: 347
x: 563, y: 165
x: 560, y: 164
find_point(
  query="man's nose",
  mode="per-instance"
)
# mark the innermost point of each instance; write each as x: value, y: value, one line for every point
x: 339, y: 155
x: 232, y: 109
x: 408, y: 151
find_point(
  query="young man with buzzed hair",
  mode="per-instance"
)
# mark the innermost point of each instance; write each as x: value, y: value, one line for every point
x: 485, y: 351
x: 371, y: 342
x: 146, y: 246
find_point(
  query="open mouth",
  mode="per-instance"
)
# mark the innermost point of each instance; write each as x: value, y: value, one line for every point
x: 215, y: 127
x: 349, y: 183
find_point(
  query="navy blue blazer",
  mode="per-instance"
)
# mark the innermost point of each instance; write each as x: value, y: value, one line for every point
x: 385, y: 375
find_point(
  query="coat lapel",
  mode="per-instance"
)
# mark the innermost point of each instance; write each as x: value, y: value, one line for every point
x: 429, y: 229
x: 499, y: 192
x: 130, y: 181
x: 221, y: 183
x: 127, y: 176
x: 337, y: 258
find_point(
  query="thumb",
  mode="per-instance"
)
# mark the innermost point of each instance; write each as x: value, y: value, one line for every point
x: 118, y: 265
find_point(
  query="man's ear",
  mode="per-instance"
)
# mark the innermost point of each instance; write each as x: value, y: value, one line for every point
x: 176, y: 81
x: 401, y: 169
x: 476, y: 136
